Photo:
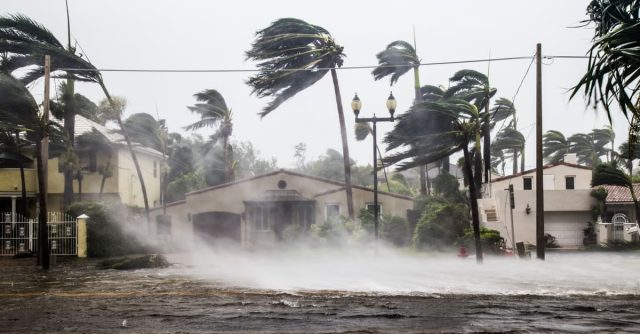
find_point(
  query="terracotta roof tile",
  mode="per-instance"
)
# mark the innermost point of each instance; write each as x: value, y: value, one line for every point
x: 620, y: 194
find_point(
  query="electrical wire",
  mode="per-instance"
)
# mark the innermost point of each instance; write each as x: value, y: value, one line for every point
x: 160, y: 70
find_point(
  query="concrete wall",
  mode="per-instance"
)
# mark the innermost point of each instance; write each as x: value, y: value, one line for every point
x: 91, y: 180
x: 10, y: 180
x: 361, y: 198
x: 582, y: 178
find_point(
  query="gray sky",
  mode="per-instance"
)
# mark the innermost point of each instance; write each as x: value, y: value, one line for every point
x: 191, y: 34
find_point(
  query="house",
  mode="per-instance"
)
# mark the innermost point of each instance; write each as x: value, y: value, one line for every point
x: 257, y: 211
x: 567, y: 204
x: 620, y: 222
x: 123, y: 185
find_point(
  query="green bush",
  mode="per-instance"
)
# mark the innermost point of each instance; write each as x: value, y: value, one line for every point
x: 393, y: 229
x: 441, y: 225
x: 105, y: 237
x: 490, y: 239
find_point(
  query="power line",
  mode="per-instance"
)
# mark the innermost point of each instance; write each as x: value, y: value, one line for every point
x: 467, y: 61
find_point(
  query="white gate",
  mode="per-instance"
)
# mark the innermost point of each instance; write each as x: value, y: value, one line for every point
x: 619, y: 220
x: 20, y: 235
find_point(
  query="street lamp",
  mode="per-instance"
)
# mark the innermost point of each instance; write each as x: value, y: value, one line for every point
x: 356, y: 105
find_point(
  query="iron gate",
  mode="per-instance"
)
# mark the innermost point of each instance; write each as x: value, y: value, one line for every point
x: 20, y: 235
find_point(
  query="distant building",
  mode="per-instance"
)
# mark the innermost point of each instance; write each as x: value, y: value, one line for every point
x: 567, y: 203
x: 620, y: 222
x: 257, y: 211
x: 123, y: 185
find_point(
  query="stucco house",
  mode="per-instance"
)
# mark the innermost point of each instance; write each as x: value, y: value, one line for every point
x: 567, y: 204
x: 256, y: 211
x: 123, y: 185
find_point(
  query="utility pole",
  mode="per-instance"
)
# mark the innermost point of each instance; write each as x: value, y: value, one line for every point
x: 540, y: 242
x: 512, y: 205
x: 43, y: 240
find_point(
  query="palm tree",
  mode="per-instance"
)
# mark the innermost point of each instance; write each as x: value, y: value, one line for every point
x: 471, y: 85
x: 214, y: 113
x: 613, y: 67
x: 587, y: 149
x: 362, y: 131
x: 511, y: 140
x: 292, y: 56
x: 628, y: 153
x: 394, y: 61
x: 504, y: 108
x: 554, y: 146
x: 420, y: 133
x: 605, y: 136
x: 24, y: 44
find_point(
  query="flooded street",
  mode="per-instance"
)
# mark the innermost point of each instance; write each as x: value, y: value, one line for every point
x: 188, y: 297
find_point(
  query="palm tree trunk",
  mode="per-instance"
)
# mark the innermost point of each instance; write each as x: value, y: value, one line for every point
x: 80, y: 188
x: 477, y: 176
x: 418, y: 98
x: 345, y: 145
x: 69, y: 126
x: 446, y: 164
x: 133, y: 155
x: 515, y: 161
x: 225, y: 157
x: 635, y: 202
x: 522, y: 160
x: 486, y: 132
x: 106, y: 170
x: 475, y: 216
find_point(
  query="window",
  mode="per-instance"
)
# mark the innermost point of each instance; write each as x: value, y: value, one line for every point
x: 527, y: 183
x: 569, y: 182
x: 332, y: 210
x: 260, y: 218
x: 370, y: 207
x: 155, y: 168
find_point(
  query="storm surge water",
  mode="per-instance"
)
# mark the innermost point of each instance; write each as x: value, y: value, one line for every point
x: 389, y: 271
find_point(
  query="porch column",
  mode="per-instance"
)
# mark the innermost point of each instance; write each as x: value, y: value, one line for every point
x: 13, y: 208
x: 81, y: 235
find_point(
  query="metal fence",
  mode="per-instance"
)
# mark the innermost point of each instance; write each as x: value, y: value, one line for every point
x: 20, y: 235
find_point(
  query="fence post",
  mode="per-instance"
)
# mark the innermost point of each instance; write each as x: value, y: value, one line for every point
x: 81, y: 235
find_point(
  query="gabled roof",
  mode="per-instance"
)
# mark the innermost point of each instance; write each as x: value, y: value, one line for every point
x: 283, y: 171
x: 620, y: 194
x: 547, y: 166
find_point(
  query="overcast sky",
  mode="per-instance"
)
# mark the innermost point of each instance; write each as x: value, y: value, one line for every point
x: 187, y: 34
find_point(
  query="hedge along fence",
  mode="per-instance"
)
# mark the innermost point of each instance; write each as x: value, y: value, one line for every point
x: 105, y: 234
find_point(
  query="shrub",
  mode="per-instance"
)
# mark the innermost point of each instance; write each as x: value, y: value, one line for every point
x: 442, y: 224
x: 490, y: 240
x: 393, y: 229
x: 105, y: 237
x: 550, y: 241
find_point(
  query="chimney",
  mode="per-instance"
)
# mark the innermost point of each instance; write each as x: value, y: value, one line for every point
x: 571, y: 158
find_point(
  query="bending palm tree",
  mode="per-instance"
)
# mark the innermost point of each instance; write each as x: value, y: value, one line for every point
x: 471, y: 85
x: 424, y: 142
x: 396, y: 60
x: 609, y: 174
x: 554, y: 146
x: 214, y: 113
x: 628, y: 153
x: 587, y: 148
x: 511, y: 140
x: 504, y: 108
x: 292, y: 55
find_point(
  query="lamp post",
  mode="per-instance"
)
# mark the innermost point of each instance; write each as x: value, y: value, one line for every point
x: 356, y: 105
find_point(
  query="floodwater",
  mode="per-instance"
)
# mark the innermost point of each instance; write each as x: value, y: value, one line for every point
x: 333, y: 291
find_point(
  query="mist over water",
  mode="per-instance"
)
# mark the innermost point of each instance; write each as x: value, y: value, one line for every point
x: 390, y: 271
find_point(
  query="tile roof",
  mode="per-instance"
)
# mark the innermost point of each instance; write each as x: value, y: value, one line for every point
x: 620, y: 194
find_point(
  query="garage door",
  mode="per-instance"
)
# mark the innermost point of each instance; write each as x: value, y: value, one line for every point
x: 567, y: 228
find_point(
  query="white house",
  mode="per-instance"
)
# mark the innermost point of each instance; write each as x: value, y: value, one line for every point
x: 567, y: 204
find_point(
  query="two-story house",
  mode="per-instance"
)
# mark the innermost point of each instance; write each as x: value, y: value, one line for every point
x: 567, y: 204
x: 122, y: 184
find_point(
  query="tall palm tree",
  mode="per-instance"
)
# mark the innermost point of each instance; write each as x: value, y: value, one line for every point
x: 504, y: 108
x: 605, y: 136
x: 510, y: 140
x: 554, y: 146
x: 25, y: 44
x: 587, y: 149
x: 394, y: 61
x: 628, y: 153
x: 292, y: 55
x: 423, y: 139
x: 474, y: 86
x: 95, y: 141
x: 214, y: 112
x: 362, y: 131
x: 12, y: 144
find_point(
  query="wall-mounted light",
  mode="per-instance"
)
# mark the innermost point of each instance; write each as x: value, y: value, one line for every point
x: 527, y: 209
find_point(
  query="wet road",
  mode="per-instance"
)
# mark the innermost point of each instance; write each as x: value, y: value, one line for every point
x: 77, y: 298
